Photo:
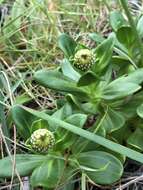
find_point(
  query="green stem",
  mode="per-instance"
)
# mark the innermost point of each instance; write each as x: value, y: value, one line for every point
x: 83, y: 181
x: 132, y: 24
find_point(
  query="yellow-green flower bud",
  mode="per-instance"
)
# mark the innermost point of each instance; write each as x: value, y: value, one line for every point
x: 41, y: 140
x: 83, y: 59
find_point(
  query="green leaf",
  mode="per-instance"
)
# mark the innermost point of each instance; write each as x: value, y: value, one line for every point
x: 25, y: 164
x: 21, y: 99
x: 87, y: 79
x: 129, y: 109
x: 117, y: 20
x: 23, y: 121
x: 140, y: 27
x: 39, y: 124
x: 113, y: 120
x: 67, y: 45
x: 77, y: 119
x: 1, y: 1
x: 89, y: 107
x: 109, y: 168
x: 68, y: 70
x: 135, y: 76
x: 119, y: 88
x: 140, y: 110
x: 103, y: 55
x: 66, y: 138
x: 123, y: 64
x: 120, y: 157
x: 85, y: 145
x: 62, y: 114
x: 55, y: 80
x: 73, y: 100
x: 90, y: 136
x: 136, y: 139
x: 96, y: 37
x: 48, y: 174
x: 125, y: 35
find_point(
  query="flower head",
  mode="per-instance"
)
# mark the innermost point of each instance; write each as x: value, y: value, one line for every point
x: 41, y: 140
x: 83, y: 59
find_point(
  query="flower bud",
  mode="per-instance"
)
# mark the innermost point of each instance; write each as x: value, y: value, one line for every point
x: 83, y: 59
x: 41, y: 140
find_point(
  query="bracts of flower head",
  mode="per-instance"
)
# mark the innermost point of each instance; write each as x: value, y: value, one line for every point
x: 84, y: 59
x: 42, y: 140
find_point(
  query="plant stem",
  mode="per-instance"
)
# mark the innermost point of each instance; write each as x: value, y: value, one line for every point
x: 83, y: 181
x: 134, y: 29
